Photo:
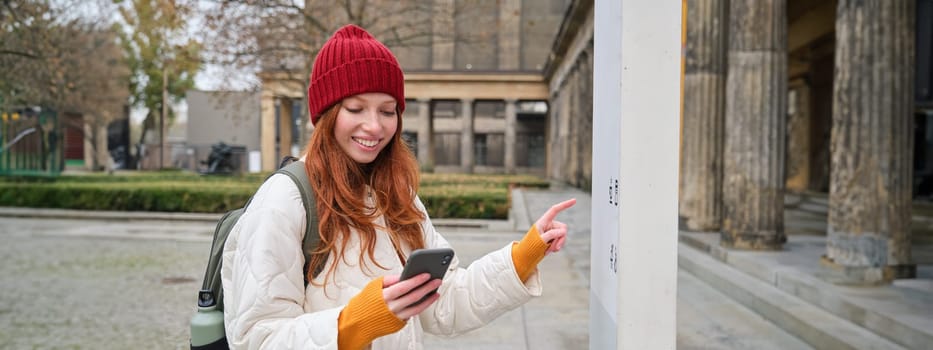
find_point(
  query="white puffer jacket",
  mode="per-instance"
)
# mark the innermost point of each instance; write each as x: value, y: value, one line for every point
x: 266, y: 305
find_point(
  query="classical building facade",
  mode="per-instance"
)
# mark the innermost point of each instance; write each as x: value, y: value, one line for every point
x: 825, y: 96
x: 478, y: 104
x: 780, y: 96
x: 806, y: 96
x: 569, y: 73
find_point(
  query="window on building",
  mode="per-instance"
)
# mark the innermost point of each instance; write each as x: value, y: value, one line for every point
x: 489, y: 149
x: 412, y: 107
x: 489, y: 109
x: 479, y: 149
x: 924, y: 47
x: 495, y: 149
x: 447, y: 148
x: 529, y: 107
x: 530, y: 150
x: 445, y: 109
x: 411, y: 139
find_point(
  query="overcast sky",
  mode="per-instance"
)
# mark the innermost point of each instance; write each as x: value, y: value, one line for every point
x: 210, y: 77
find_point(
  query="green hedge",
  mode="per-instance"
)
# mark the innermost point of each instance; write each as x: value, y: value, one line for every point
x: 466, y: 201
x: 445, y: 195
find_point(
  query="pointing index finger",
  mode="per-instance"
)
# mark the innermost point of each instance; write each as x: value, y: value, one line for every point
x: 551, y: 213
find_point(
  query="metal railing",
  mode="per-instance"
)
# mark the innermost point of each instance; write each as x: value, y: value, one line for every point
x: 30, y: 143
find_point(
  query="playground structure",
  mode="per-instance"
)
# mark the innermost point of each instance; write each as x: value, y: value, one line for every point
x: 30, y: 143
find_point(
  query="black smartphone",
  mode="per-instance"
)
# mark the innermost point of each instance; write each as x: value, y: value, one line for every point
x: 434, y: 261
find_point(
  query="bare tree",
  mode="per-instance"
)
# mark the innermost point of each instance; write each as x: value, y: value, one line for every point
x: 70, y: 64
x: 280, y: 38
x: 162, y: 56
x: 283, y: 36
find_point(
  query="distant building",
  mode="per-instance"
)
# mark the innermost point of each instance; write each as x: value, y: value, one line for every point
x: 230, y: 117
x: 474, y: 105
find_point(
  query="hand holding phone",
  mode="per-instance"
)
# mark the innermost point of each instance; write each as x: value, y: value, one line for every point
x: 434, y: 261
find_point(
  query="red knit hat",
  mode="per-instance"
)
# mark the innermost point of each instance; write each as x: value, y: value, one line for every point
x: 353, y: 62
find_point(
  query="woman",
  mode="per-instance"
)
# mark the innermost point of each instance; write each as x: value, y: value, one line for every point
x: 365, y: 180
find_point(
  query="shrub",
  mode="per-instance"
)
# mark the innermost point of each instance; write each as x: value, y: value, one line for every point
x: 444, y: 195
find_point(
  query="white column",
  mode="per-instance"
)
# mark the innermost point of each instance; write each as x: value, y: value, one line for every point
x: 267, y: 131
x: 633, y: 294
x: 511, y: 121
x: 466, y: 135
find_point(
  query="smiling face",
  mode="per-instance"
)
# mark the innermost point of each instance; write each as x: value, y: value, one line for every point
x: 365, y: 125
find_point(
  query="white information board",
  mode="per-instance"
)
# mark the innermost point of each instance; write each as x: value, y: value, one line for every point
x: 255, y: 161
x: 604, y: 241
x: 636, y: 129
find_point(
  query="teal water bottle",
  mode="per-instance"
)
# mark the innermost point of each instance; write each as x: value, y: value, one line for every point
x: 207, y: 325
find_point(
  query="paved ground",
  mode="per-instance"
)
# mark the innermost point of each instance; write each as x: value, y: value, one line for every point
x: 79, y: 284
x: 115, y: 284
x: 706, y: 319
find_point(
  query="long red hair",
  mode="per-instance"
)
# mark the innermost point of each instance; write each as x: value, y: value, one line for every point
x: 339, y: 185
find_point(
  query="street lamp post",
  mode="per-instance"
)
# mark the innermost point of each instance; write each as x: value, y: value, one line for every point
x: 162, y: 116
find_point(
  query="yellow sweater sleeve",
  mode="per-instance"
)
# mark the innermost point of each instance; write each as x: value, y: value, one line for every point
x: 527, y: 253
x: 365, y: 318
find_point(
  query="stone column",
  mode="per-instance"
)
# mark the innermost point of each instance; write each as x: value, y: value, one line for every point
x: 872, y: 141
x: 756, y: 105
x: 511, y: 121
x: 425, y: 135
x: 552, y: 156
x: 704, y: 105
x: 267, y: 130
x: 798, y: 137
x: 572, y: 150
x: 466, y: 136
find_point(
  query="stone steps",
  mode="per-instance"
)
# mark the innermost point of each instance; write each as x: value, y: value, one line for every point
x: 811, y: 324
x: 820, y: 313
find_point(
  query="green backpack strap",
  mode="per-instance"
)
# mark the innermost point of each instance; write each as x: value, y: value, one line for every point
x: 296, y: 171
x: 211, y: 293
